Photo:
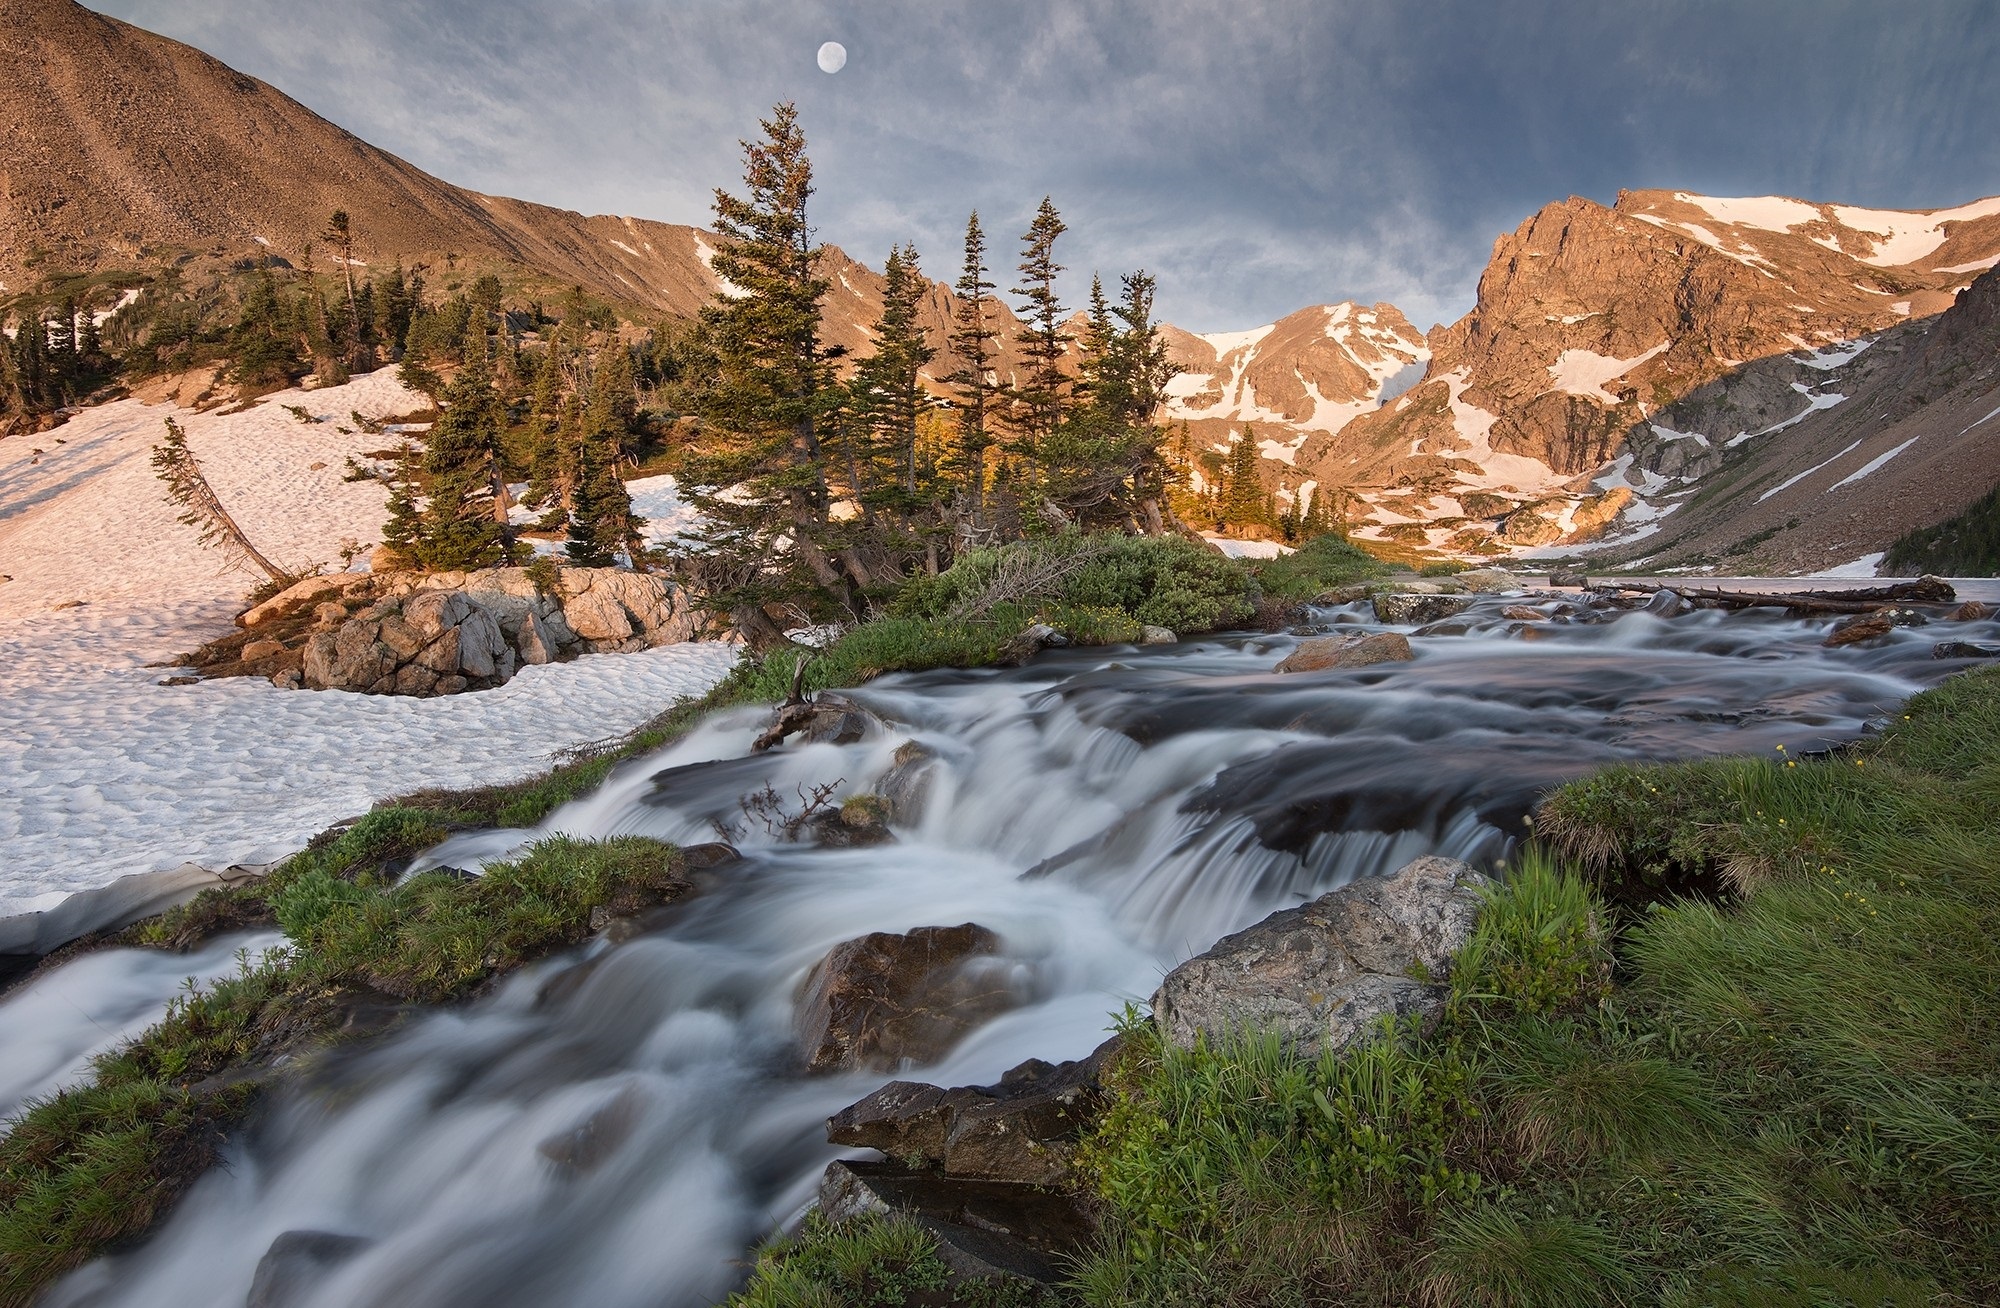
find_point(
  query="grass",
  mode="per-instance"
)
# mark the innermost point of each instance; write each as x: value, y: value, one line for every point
x: 1320, y: 565
x: 1784, y: 1090
x: 869, y: 1261
x: 99, y: 1164
x: 1967, y: 545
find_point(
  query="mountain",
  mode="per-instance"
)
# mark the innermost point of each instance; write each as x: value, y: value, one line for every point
x: 120, y: 149
x: 1592, y: 321
x: 1311, y: 372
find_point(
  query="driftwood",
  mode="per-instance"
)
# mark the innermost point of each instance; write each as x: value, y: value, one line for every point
x: 1924, y: 590
x: 794, y: 715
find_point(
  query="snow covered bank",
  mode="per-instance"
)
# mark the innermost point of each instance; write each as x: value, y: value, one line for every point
x: 104, y: 772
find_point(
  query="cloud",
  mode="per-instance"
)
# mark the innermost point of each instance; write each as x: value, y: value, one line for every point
x: 1258, y: 157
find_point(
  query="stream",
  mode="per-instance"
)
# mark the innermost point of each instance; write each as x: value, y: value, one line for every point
x: 1159, y: 797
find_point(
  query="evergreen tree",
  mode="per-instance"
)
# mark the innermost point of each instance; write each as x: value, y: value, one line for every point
x: 601, y: 522
x: 341, y: 236
x: 888, y: 397
x: 403, y: 530
x: 261, y: 343
x: 1042, y: 394
x: 1318, y: 519
x: 463, y: 524
x: 1244, y: 502
x: 759, y: 480
x: 974, y: 383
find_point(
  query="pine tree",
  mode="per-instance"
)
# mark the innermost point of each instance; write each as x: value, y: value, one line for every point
x: 601, y: 521
x: 341, y: 237
x: 1244, y: 500
x: 394, y: 303
x: 887, y: 395
x: 759, y: 480
x: 974, y: 383
x: 174, y: 463
x: 462, y: 525
x: 403, y: 530
x: 261, y: 342
x: 1042, y: 394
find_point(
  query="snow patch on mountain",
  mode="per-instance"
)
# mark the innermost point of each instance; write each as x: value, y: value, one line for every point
x: 1584, y: 372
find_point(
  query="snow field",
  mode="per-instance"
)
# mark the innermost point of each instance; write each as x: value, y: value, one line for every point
x: 104, y: 771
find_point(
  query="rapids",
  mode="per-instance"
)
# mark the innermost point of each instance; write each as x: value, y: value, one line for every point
x: 1160, y: 798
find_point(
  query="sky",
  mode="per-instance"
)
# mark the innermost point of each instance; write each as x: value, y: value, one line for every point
x: 1256, y: 156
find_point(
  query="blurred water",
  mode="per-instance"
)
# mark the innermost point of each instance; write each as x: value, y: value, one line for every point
x: 1158, y: 798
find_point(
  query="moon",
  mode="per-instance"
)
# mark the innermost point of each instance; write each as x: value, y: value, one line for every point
x: 832, y: 57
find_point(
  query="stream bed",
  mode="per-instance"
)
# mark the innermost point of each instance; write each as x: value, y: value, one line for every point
x: 1107, y: 812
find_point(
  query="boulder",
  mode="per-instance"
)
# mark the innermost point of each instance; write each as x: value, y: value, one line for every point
x: 1487, y: 581
x: 1964, y: 649
x: 1020, y: 648
x: 296, y: 1264
x: 907, y: 783
x: 1409, y: 608
x: 1522, y: 613
x: 1347, y: 652
x: 1151, y: 635
x: 837, y: 720
x: 1971, y: 611
x: 533, y: 639
x: 1023, y: 1130
x: 1668, y: 603
x: 262, y: 649
x: 986, y: 1230
x: 1867, y: 626
x: 885, y: 998
x: 1325, y: 974
x: 302, y: 596
x: 1569, y: 580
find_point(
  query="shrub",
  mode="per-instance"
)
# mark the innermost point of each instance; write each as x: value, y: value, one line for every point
x: 1165, y: 581
x: 1320, y: 565
x: 1540, y: 944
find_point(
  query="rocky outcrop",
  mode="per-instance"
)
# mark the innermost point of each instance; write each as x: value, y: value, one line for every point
x: 1326, y: 974
x: 1348, y: 652
x: 1401, y: 609
x: 1023, y: 1130
x: 402, y: 633
x: 886, y: 998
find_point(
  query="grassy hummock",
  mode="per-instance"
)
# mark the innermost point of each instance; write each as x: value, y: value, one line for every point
x: 99, y: 1164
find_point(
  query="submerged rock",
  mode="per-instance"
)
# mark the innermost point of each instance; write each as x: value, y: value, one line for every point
x: 1348, y: 652
x: 1325, y: 974
x: 1403, y: 608
x: 293, y: 1268
x: 885, y: 998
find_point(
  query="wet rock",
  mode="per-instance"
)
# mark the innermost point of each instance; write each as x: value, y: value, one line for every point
x: 861, y: 820
x: 1348, y: 652
x: 1964, y: 649
x: 1406, y: 608
x: 1522, y: 613
x: 838, y: 720
x: 1151, y: 635
x: 1348, y: 594
x: 1971, y: 611
x: 1325, y: 974
x: 1668, y: 604
x: 1854, y: 630
x: 1449, y: 627
x: 886, y: 998
x: 714, y: 854
x: 1023, y: 1129
x: 1926, y: 589
x: 986, y: 1230
x: 597, y: 1137
x: 907, y: 783
x: 1867, y: 626
x: 296, y: 1264
x: 1569, y: 579
x: 182, y: 680
x: 1020, y: 648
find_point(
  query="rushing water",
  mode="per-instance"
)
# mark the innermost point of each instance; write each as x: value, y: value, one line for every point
x: 1160, y: 798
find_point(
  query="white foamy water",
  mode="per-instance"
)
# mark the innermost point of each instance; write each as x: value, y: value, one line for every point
x: 1106, y: 812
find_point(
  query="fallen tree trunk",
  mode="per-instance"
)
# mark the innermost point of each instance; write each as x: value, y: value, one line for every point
x: 1924, y: 590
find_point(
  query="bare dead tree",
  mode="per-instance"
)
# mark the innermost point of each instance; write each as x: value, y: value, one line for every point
x: 174, y: 463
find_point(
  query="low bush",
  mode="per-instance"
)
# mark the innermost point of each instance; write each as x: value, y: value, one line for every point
x: 1322, y: 564
x: 865, y: 1263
